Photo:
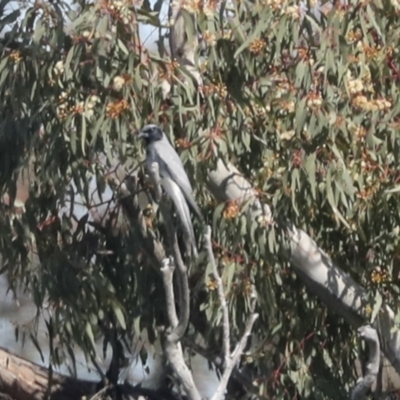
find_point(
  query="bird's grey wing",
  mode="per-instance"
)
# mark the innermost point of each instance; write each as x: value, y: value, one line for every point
x: 172, y: 165
x: 182, y: 209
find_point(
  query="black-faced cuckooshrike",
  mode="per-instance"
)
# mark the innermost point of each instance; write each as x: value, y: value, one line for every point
x: 173, y: 177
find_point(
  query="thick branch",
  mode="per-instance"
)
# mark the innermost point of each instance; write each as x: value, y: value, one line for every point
x: 370, y: 335
x: 168, y: 274
x: 173, y: 348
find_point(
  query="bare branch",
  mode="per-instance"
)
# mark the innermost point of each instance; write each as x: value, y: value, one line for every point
x: 225, y: 313
x: 370, y: 335
x: 167, y: 271
x: 173, y: 348
x: 175, y: 357
x: 230, y: 359
x: 236, y: 354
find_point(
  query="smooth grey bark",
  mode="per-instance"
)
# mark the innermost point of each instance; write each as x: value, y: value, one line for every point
x: 370, y: 335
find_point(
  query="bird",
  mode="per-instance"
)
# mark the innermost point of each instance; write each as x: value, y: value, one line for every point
x: 174, y: 179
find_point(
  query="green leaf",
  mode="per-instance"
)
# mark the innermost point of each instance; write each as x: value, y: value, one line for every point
x: 120, y: 315
x: 331, y: 199
x: 377, y: 306
x: 122, y: 46
x: 300, y: 116
x: 89, y: 334
x: 83, y: 134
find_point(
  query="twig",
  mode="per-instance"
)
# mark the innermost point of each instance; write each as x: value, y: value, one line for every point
x: 370, y: 335
x: 225, y: 313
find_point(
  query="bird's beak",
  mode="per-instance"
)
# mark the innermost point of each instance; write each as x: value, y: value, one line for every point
x: 143, y: 135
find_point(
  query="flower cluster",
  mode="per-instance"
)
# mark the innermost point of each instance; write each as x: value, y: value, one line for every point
x: 116, y: 108
x: 257, y: 46
x: 120, y: 81
x: 231, y: 210
x: 59, y: 68
x: 379, y: 276
x: 85, y: 108
x: 207, y: 7
x: 209, y: 38
x: 293, y: 12
x: 15, y: 56
x: 314, y: 100
x: 219, y: 89
x: 275, y: 4
x: 169, y: 71
x: 363, y: 103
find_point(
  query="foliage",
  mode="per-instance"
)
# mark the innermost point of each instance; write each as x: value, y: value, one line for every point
x: 307, y: 108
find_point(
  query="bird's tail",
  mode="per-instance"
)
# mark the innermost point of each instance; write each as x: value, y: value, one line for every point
x: 183, y: 212
x: 188, y: 229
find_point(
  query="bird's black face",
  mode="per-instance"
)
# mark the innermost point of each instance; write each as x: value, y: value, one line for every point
x: 150, y: 133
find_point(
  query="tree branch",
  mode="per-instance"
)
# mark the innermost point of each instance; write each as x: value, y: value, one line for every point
x: 234, y: 358
x: 168, y: 274
x: 225, y: 313
x: 370, y: 335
